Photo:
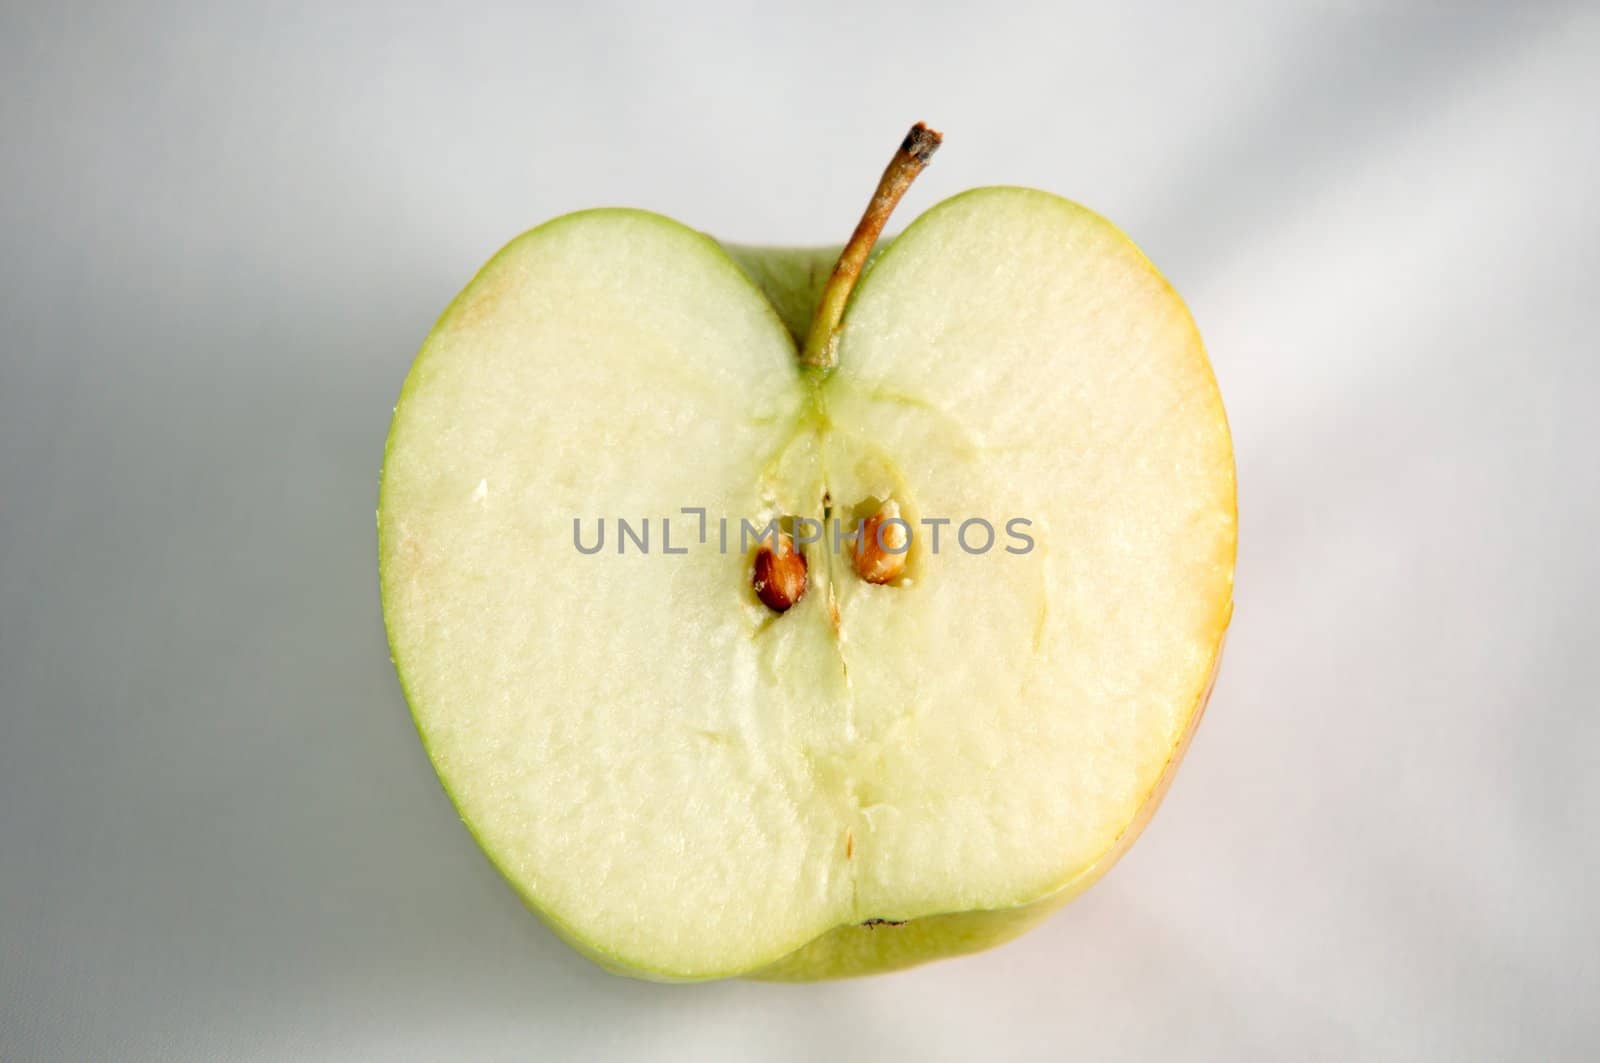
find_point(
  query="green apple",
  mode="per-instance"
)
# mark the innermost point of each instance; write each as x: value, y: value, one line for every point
x: 788, y: 758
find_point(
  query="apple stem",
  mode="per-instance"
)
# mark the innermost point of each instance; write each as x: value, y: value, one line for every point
x: 822, y: 342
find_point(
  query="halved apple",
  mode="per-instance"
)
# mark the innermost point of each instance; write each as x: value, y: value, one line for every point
x: 687, y: 782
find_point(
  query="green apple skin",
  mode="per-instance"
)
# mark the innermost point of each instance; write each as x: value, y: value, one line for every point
x: 791, y: 280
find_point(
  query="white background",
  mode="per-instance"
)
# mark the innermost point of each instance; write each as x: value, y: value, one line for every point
x: 225, y: 230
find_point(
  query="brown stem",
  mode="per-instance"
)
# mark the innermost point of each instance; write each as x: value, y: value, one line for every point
x: 822, y: 342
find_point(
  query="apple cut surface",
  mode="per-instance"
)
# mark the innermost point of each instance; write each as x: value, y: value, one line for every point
x: 688, y: 785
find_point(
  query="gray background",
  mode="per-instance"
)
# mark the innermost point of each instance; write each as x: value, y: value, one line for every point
x: 224, y: 232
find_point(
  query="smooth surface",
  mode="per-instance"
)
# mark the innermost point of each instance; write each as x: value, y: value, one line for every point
x: 226, y: 233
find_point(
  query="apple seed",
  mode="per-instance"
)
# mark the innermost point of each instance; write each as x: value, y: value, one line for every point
x: 779, y: 575
x: 881, y: 549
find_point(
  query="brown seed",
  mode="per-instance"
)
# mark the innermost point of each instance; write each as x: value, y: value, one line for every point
x: 881, y: 550
x: 779, y: 575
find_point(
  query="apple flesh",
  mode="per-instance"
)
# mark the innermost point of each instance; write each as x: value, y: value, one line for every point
x: 687, y: 785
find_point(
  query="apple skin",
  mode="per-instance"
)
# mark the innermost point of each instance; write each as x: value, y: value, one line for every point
x: 792, y: 280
